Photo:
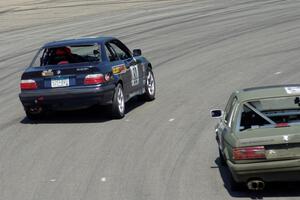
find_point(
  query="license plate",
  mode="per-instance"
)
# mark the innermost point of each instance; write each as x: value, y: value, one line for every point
x: 282, y: 153
x: 60, y: 82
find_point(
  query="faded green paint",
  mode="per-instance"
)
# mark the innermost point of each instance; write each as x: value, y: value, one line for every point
x: 282, y: 162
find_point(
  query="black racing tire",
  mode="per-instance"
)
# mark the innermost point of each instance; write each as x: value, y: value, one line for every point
x: 118, y: 103
x: 150, y: 86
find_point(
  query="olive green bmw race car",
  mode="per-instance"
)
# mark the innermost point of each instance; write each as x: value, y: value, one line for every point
x: 259, y: 135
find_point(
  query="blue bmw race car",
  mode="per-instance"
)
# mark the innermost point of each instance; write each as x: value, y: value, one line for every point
x: 79, y: 73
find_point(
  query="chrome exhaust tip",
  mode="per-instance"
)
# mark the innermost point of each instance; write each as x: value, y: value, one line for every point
x: 256, y: 185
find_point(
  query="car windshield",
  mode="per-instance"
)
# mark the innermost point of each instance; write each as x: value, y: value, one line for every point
x: 66, y: 55
x: 270, y: 113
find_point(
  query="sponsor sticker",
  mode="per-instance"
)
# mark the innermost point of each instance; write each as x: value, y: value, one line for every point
x: 292, y: 90
x: 119, y: 69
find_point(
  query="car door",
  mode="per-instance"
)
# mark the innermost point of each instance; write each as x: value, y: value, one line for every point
x: 117, y: 66
x: 130, y: 62
x: 225, y: 125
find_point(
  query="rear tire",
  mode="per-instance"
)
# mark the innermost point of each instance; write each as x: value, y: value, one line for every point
x: 118, y: 104
x: 150, y: 86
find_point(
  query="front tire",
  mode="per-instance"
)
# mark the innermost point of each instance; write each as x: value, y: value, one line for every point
x: 150, y: 86
x: 118, y: 104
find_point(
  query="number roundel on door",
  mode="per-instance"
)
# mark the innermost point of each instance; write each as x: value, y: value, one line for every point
x: 134, y: 75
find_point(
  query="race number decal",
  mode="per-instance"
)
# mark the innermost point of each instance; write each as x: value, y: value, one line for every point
x: 134, y: 75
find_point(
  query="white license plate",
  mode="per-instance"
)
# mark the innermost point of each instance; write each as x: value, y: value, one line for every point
x: 64, y: 82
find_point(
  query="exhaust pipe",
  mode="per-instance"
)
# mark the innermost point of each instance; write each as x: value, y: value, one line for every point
x: 256, y: 185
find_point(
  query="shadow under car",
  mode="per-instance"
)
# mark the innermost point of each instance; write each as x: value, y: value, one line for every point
x: 274, y: 189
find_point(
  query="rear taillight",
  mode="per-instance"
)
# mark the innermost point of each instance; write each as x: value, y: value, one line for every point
x: 281, y: 125
x: 28, y: 85
x: 94, y: 79
x: 248, y: 153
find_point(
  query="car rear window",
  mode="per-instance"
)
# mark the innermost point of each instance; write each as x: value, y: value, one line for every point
x: 271, y: 112
x: 66, y: 55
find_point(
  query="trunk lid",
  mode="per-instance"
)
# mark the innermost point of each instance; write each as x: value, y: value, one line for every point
x: 54, y: 76
x: 280, y: 143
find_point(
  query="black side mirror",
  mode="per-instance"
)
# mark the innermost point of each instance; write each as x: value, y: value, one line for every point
x: 137, y: 52
x: 216, y: 114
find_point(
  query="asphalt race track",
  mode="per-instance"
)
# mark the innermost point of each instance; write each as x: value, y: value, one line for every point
x: 162, y: 150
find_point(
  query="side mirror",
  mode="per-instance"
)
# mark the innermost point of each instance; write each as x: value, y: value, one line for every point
x: 137, y: 52
x: 217, y: 114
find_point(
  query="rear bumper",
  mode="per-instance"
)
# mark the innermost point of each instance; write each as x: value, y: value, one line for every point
x: 68, y: 98
x: 287, y: 170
